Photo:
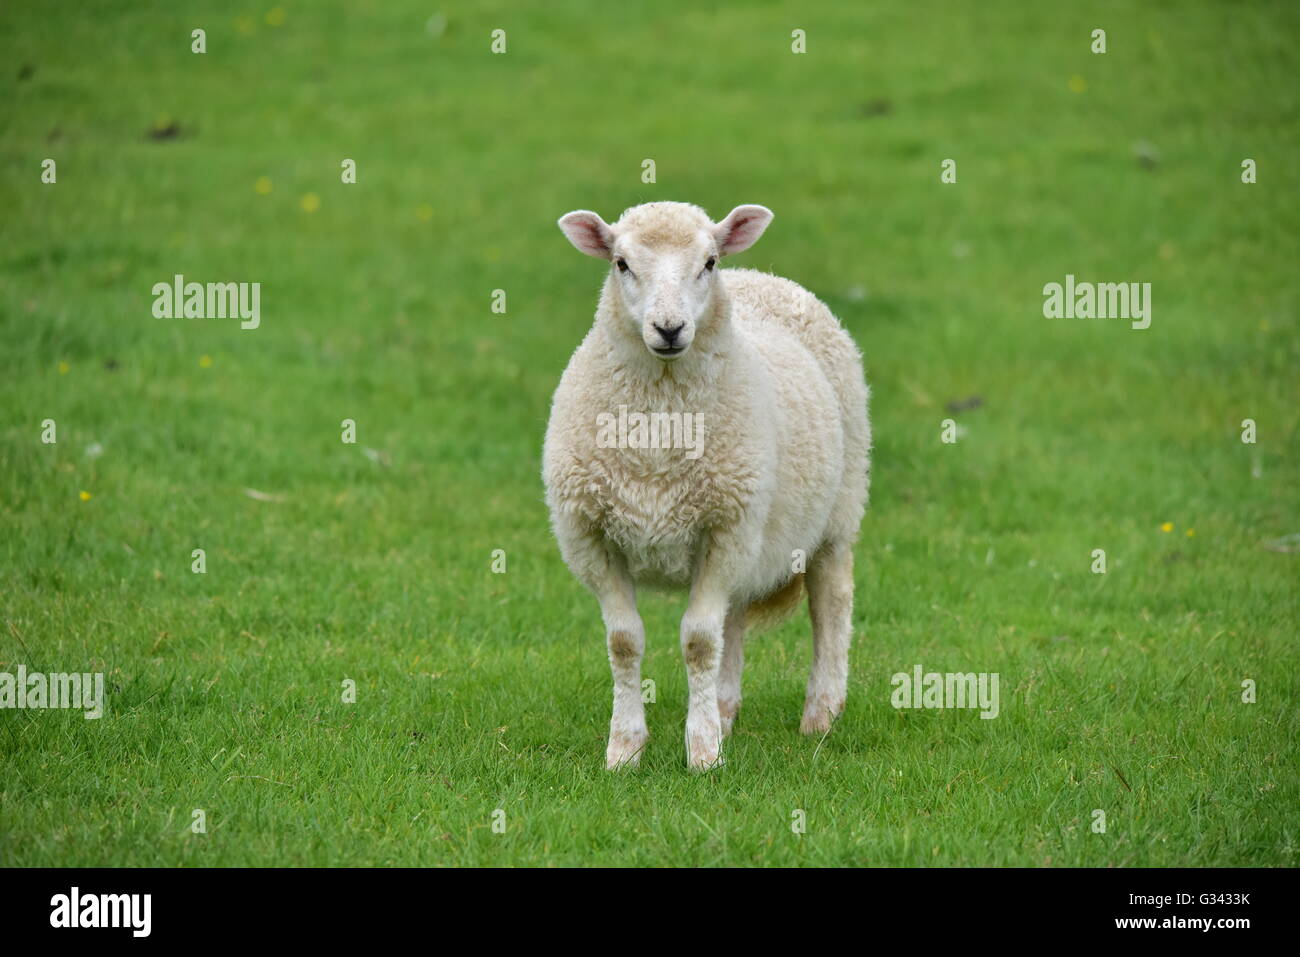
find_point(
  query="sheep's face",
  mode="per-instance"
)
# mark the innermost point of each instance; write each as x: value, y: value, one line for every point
x: 664, y: 260
x: 667, y: 292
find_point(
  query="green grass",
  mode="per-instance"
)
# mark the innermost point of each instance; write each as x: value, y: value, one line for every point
x: 479, y: 691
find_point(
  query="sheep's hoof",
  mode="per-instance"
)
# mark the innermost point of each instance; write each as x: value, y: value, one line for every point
x: 702, y: 763
x: 818, y: 716
x: 624, y: 750
x: 704, y: 752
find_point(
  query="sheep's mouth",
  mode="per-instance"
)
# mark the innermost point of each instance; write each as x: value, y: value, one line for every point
x: 667, y: 352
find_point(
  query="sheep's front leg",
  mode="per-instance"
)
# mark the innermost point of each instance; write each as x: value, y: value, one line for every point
x: 703, y: 632
x: 702, y: 651
x: 603, y: 570
x: 625, y: 638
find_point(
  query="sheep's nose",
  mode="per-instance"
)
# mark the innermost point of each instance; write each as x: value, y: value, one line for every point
x: 669, y: 334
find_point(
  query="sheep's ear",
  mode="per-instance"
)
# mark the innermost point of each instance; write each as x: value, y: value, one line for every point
x: 588, y: 232
x: 741, y: 228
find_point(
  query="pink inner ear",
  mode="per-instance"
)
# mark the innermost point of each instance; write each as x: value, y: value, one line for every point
x: 743, y: 231
x: 593, y: 238
x: 588, y: 234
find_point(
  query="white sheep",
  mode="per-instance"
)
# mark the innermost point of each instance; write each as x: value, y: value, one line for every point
x: 770, y: 480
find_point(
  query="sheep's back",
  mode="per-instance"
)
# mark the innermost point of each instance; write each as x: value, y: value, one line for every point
x: 758, y: 297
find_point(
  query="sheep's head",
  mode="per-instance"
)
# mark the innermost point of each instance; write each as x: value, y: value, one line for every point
x: 664, y: 264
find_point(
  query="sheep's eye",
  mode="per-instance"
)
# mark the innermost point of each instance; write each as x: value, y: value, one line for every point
x: 622, y: 264
x: 709, y: 265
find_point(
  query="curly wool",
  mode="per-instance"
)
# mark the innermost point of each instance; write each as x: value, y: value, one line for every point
x: 786, y: 435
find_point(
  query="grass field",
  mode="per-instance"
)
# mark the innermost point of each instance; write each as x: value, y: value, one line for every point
x: 478, y: 692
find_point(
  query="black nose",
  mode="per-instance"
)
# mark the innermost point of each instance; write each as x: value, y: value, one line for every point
x: 670, y: 335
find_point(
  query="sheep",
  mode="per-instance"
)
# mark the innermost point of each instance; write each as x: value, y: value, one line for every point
x: 772, y: 495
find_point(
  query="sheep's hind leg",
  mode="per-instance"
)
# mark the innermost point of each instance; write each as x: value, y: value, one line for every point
x: 830, y: 604
x: 733, y: 663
